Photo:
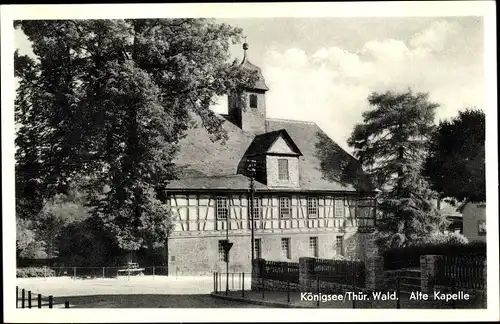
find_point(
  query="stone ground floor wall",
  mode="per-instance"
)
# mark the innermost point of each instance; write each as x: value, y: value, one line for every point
x: 200, y: 255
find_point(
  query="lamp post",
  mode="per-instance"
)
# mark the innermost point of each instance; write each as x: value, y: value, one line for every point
x: 251, y: 170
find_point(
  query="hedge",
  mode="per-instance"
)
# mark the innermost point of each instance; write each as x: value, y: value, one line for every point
x: 33, y: 272
x: 408, y: 257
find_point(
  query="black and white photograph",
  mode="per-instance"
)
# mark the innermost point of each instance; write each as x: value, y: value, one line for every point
x: 183, y: 160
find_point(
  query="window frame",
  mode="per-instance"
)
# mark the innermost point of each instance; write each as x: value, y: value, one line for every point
x: 286, y: 253
x: 337, y: 208
x: 258, y: 248
x: 281, y: 170
x: 220, y: 249
x: 313, y: 248
x: 315, y: 200
x: 220, y: 208
x: 339, y: 246
x: 281, y: 208
x: 253, y: 98
x: 481, y: 227
x: 256, y: 207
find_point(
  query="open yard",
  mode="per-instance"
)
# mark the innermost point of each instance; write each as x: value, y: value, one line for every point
x: 136, y: 292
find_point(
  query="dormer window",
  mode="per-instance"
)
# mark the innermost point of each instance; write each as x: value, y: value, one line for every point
x: 253, y: 101
x: 283, y: 169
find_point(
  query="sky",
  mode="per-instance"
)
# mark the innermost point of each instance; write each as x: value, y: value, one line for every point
x: 323, y: 69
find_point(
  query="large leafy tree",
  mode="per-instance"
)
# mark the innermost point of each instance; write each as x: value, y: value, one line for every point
x: 455, y: 165
x: 107, y: 101
x: 391, y: 145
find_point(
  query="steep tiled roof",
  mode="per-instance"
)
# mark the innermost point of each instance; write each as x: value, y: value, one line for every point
x: 263, y: 142
x: 231, y: 182
x: 323, y: 165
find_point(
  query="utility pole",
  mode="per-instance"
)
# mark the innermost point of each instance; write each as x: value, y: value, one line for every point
x: 251, y: 169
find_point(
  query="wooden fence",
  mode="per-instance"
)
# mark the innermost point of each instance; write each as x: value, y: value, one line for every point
x: 464, y: 271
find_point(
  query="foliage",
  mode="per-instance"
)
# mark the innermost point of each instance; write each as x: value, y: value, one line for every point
x: 391, y: 144
x: 27, y: 245
x: 35, y: 272
x: 440, y: 238
x: 409, y: 256
x: 84, y: 244
x: 455, y: 165
x: 108, y: 101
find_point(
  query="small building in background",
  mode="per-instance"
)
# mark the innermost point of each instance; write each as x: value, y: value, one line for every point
x: 474, y: 220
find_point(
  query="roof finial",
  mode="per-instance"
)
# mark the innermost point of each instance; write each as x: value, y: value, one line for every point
x: 245, y: 44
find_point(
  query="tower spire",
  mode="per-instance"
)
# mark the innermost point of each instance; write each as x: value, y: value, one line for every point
x: 245, y: 48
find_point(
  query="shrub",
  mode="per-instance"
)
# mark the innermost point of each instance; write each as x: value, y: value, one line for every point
x: 457, y: 238
x: 34, y: 272
x: 409, y: 256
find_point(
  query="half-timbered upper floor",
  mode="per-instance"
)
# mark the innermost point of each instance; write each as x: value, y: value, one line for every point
x: 218, y: 212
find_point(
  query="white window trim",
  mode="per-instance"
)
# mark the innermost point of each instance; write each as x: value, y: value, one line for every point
x: 287, y: 170
x: 217, y: 208
x: 282, y: 208
x: 315, y: 201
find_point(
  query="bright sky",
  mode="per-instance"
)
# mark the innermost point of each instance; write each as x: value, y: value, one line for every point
x: 323, y: 69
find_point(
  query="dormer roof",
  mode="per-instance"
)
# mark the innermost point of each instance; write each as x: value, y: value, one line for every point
x: 262, y: 144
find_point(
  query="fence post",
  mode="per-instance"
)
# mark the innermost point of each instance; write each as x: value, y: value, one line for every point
x: 153, y: 272
x: 262, y: 286
x: 103, y: 273
x: 353, y: 290
x: 242, y: 284
x: 17, y: 296
x: 44, y: 272
x: 288, y: 290
x: 213, y: 281
x: 74, y: 273
x: 232, y: 280
x: 39, y: 300
x: 29, y: 298
x: 317, y: 289
x: 66, y: 304
x: 22, y: 297
x: 453, y: 291
x: 397, y: 292
x: 50, y: 301
x: 220, y: 281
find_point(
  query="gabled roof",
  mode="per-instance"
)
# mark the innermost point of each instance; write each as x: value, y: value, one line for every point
x: 324, y: 166
x: 263, y: 142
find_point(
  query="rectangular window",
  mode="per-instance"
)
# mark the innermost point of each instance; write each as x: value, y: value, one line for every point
x: 339, y: 245
x: 283, y: 169
x: 312, y: 207
x: 256, y: 208
x: 313, y: 247
x: 339, y: 207
x: 222, y: 208
x: 258, y: 248
x: 481, y: 227
x: 284, y: 207
x: 253, y: 101
x: 285, y: 248
x: 222, y: 255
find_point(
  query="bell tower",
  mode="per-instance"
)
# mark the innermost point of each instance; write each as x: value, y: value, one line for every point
x: 250, y: 113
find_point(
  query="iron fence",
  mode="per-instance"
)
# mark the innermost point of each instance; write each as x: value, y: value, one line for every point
x: 90, y: 272
x: 232, y: 281
x: 339, y: 271
x: 283, y: 271
x: 463, y: 271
